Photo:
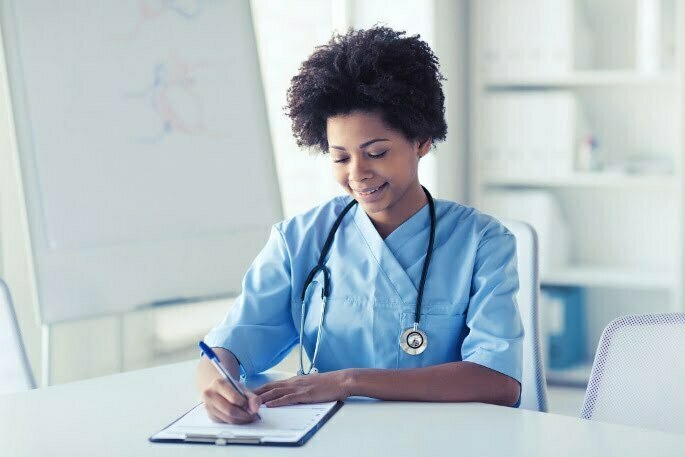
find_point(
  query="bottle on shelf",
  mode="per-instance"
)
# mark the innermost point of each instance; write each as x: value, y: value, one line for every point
x: 589, y: 155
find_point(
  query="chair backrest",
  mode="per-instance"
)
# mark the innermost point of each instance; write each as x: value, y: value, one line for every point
x: 15, y: 371
x: 533, y: 383
x: 638, y: 374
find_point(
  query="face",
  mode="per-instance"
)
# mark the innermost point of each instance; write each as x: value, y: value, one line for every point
x: 376, y: 165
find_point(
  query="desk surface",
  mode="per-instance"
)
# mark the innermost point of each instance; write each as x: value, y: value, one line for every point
x: 115, y: 415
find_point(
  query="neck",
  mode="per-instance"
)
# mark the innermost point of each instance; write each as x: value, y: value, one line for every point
x: 387, y: 221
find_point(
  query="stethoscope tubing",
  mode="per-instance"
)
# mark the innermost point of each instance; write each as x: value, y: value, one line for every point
x: 321, y: 267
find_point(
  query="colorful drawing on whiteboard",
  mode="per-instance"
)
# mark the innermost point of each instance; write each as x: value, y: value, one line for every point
x: 186, y: 9
x: 173, y: 97
x: 148, y: 12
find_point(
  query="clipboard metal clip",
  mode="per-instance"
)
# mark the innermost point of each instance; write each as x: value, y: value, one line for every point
x: 221, y: 440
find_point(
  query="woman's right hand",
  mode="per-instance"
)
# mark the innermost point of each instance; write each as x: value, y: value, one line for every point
x: 224, y: 404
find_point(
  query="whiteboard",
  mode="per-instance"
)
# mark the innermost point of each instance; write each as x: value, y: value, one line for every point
x: 144, y: 148
x: 15, y: 370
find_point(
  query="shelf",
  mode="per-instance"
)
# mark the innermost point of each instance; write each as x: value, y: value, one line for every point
x: 604, y: 276
x: 585, y: 79
x: 577, y: 376
x: 589, y: 179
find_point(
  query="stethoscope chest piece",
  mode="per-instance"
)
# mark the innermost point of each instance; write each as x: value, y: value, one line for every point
x: 413, y: 341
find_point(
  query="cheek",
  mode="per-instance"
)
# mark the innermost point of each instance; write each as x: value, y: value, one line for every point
x: 340, y: 176
x: 409, y: 168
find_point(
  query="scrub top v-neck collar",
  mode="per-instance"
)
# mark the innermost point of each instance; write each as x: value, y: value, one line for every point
x: 412, y: 227
x: 390, y: 266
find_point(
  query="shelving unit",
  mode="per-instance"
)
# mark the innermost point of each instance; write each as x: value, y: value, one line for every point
x: 586, y: 180
x: 588, y: 78
x: 576, y: 375
x: 610, y: 276
x: 546, y: 75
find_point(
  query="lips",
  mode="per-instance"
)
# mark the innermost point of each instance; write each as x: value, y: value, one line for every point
x: 370, y: 195
x: 369, y: 190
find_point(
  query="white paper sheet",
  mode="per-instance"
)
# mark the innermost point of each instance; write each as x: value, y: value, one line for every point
x: 284, y: 424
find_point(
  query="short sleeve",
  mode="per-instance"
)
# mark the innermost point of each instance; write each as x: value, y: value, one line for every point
x: 495, y: 330
x: 259, y: 328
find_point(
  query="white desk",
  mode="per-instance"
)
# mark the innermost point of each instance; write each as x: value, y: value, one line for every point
x: 115, y: 415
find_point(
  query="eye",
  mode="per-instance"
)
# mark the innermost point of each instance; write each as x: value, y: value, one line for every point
x: 377, y: 156
x: 342, y: 160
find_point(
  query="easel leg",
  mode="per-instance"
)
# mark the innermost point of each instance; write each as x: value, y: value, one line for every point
x: 45, y: 355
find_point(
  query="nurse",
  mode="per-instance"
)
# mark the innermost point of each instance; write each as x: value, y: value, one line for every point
x: 391, y: 293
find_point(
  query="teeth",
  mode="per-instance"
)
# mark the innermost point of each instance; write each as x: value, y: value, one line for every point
x: 368, y: 192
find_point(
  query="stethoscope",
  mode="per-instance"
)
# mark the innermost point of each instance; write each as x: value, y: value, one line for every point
x: 413, y: 340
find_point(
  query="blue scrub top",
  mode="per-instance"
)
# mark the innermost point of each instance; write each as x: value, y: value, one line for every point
x: 469, y: 309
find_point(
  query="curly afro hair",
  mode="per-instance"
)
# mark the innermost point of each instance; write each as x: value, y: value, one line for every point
x: 375, y: 70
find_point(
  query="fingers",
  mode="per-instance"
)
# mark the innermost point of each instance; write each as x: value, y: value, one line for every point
x: 224, y: 404
x: 227, y: 391
x: 285, y: 400
x: 254, y: 402
x: 272, y: 394
x: 266, y: 387
x: 303, y: 389
x: 294, y: 381
x: 282, y: 396
x: 287, y: 392
x: 231, y: 415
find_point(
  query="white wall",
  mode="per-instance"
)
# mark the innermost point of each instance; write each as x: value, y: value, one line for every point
x: 146, y: 338
x: 306, y: 179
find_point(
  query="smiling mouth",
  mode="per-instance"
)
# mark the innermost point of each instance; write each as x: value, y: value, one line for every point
x: 370, y: 191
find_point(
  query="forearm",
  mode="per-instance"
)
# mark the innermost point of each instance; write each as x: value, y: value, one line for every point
x: 206, y: 372
x: 449, y: 382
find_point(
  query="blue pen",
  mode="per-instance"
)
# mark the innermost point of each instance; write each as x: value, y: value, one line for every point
x: 220, y: 368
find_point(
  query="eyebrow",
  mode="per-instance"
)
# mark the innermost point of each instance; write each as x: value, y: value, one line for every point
x: 361, y: 146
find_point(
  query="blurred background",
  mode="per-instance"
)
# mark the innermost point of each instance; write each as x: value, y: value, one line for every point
x: 567, y: 114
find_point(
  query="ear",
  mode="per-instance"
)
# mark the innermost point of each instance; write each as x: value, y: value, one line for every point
x: 424, y: 147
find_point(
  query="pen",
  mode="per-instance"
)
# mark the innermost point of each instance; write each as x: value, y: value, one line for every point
x: 220, y: 368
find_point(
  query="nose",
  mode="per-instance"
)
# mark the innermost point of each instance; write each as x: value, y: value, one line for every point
x: 359, y: 169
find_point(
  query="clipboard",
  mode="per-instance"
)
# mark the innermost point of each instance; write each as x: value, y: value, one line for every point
x: 289, y: 426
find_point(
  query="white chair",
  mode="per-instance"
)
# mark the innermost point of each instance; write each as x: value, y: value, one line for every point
x: 638, y: 375
x: 15, y: 371
x: 533, y: 383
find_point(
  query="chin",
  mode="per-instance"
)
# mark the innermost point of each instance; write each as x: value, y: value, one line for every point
x: 375, y: 207
x: 378, y: 206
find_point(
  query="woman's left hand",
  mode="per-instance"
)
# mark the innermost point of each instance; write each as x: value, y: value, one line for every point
x: 314, y: 388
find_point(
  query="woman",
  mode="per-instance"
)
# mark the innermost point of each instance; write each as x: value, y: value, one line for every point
x: 417, y: 296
